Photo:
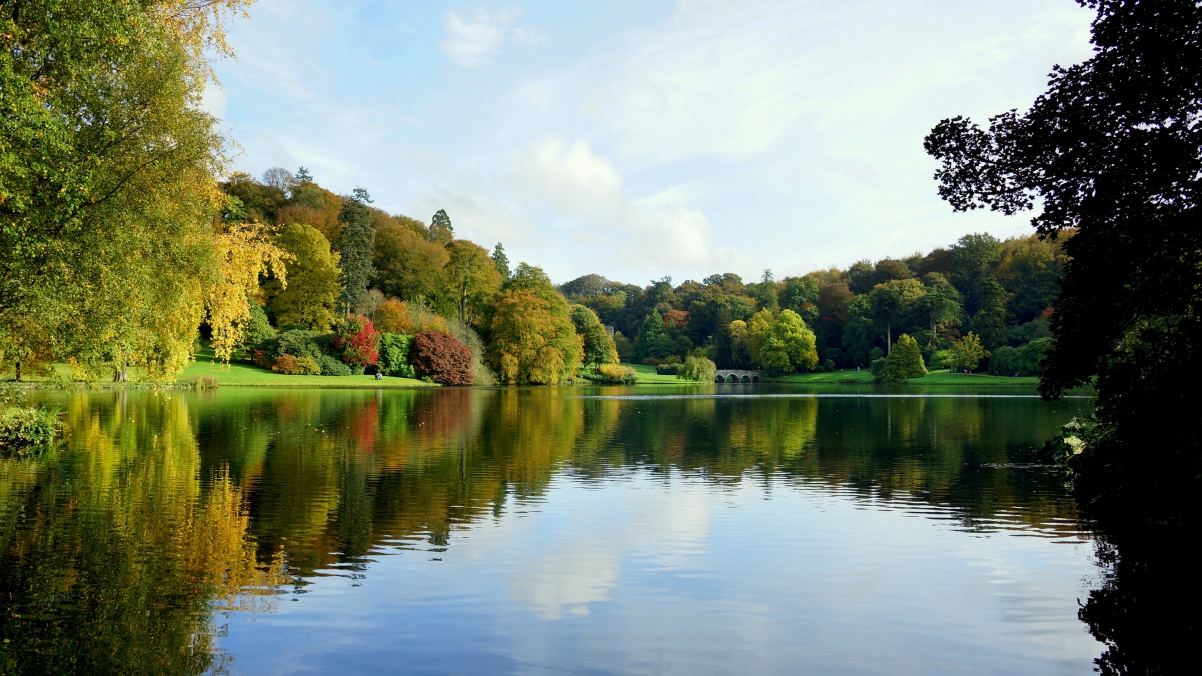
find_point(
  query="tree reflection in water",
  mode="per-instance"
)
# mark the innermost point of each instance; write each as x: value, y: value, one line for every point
x: 162, y: 509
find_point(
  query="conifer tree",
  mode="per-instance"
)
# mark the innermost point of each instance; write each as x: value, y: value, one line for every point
x: 357, y: 246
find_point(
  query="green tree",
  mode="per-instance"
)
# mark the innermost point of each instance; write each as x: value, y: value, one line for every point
x: 472, y: 278
x: 938, y: 303
x: 408, y: 265
x: 789, y: 345
x: 311, y: 297
x: 501, y: 261
x: 891, y: 302
x: 652, y: 334
x: 967, y: 353
x: 697, y: 369
x: 441, y: 231
x: 904, y: 361
x: 757, y: 333
x: 356, y: 248
x: 990, y: 321
x: 598, y: 347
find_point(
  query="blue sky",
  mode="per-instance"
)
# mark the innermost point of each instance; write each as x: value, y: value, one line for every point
x: 642, y: 139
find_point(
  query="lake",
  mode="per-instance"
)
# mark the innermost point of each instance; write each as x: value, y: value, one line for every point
x: 672, y: 530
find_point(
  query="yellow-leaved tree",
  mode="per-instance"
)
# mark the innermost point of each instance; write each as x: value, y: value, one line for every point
x: 108, y: 191
x: 533, y: 337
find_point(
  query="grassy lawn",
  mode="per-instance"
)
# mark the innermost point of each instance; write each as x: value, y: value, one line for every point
x: 237, y: 374
x: 940, y: 377
x: 648, y: 376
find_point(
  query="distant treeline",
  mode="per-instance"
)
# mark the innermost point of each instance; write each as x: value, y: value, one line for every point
x: 1002, y: 291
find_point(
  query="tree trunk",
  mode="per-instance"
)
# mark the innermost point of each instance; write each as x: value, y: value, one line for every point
x: 889, y: 339
x: 17, y: 376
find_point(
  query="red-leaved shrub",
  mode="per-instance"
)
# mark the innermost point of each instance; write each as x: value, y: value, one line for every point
x: 358, y: 342
x: 441, y: 357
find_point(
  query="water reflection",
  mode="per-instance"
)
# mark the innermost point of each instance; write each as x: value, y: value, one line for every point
x: 162, y: 509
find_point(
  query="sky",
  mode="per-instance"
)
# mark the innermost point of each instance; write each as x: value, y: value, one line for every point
x: 645, y: 139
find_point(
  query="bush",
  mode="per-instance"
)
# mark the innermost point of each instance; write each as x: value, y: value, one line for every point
x: 296, y: 366
x: 877, y: 367
x: 904, y: 361
x: 256, y: 330
x: 23, y: 427
x: 652, y: 361
x: 394, y: 355
x: 331, y: 366
x: 942, y: 359
x: 617, y: 374
x: 392, y: 317
x: 357, y: 342
x: 262, y: 359
x: 668, y: 369
x: 297, y: 343
x: 442, y: 358
x: 699, y: 369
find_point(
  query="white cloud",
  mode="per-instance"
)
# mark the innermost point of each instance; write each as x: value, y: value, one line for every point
x: 587, y: 188
x: 474, y: 43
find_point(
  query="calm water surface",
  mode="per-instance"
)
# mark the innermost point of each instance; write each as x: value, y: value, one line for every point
x: 541, y: 531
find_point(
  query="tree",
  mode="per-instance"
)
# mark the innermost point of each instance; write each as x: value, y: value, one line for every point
x: 311, y: 297
x: 583, y: 286
x: 861, y: 277
x: 356, y: 248
x: 533, y: 339
x: 439, y: 356
x: 789, y: 345
x: 393, y: 317
x: 408, y: 265
x: 938, y: 302
x: 757, y: 333
x: 107, y: 190
x: 990, y: 321
x: 651, y: 337
x: 243, y: 254
x: 598, y: 347
x: 698, y: 369
x: 891, y: 302
x: 441, y: 231
x: 501, y: 261
x: 967, y: 353
x: 472, y: 277
x: 904, y: 361
x: 973, y: 258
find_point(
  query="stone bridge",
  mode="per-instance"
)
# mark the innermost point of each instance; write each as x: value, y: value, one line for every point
x: 737, y: 376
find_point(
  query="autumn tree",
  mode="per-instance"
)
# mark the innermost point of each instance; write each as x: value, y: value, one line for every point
x: 408, y: 265
x: 107, y: 179
x: 393, y: 317
x: 311, y: 296
x: 533, y: 337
